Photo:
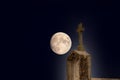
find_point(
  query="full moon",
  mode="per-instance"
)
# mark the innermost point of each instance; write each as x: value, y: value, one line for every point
x: 60, y: 43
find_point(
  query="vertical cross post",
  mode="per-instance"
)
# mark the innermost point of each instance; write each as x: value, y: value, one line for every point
x: 80, y: 31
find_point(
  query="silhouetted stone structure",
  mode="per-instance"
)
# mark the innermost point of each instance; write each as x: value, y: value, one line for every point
x: 79, y: 61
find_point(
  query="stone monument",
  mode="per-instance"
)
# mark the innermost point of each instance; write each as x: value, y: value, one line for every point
x: 79, y: 61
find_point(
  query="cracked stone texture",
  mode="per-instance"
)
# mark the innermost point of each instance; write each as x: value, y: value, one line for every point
x: 79, y: 66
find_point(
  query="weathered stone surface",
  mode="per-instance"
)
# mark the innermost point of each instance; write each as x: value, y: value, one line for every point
x: 79, y: 66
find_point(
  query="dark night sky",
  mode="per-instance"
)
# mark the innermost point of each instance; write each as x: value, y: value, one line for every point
x: 101, y: 36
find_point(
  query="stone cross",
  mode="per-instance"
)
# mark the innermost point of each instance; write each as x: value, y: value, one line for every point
x: 79, y: 61
x: 80, y: 30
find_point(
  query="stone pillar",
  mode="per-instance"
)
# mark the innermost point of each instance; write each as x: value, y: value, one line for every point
x: 79, y: 66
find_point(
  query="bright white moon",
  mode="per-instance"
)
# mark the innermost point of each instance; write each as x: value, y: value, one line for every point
x: 60, y: 43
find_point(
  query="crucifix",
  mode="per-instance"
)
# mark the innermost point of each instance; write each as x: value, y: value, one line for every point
x: 80, y: 31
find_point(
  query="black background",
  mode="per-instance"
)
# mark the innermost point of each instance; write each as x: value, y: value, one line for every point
x: 101, y: 37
